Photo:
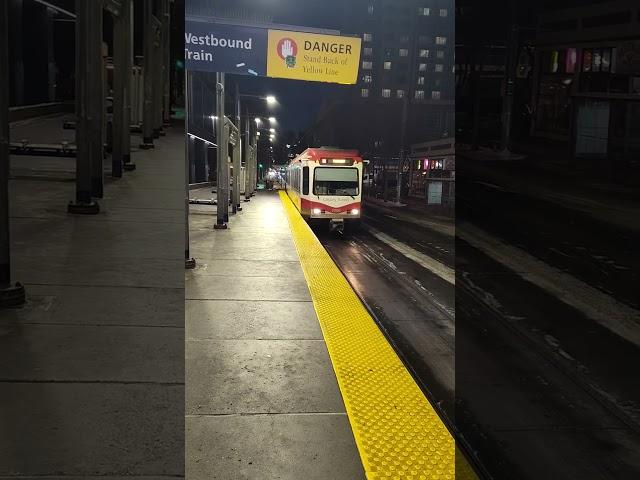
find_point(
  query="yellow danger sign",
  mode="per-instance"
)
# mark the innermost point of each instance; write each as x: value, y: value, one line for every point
x: 312, y: 57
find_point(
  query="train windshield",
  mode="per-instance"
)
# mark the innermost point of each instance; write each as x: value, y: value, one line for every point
x: 335, y: 181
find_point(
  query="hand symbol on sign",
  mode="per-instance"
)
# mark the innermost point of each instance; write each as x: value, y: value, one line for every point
x: 287, y: 49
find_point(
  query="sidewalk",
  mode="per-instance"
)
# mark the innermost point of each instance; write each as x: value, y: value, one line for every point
x: 105, y: 308
x: 262, y: 400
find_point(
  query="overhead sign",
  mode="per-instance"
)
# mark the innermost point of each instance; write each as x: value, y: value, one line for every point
x: 313, y: 57
x: 216, y: 47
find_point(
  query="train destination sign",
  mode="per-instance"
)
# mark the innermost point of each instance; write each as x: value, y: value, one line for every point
x: 217, y: 47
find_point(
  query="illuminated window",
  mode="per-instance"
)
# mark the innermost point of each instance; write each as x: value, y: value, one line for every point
x: 424, y: 53
x: 443, y: 12
x: 441, y: 40
x: 386, y: 92
x: 367, y: 65
x: 435, y: 95
x: 367, y: 37
x: 400, y: 93
x: 439, y: 67
x: 403, y: 52
x: 440, y: 54
x: 422, y: 67
x: 387, y: 65
x: 367, y: 78
x: 364, y: 92
x: 419, y: 94
x: 420, y: 80
x: 368, y: 51
x: 424, y: 12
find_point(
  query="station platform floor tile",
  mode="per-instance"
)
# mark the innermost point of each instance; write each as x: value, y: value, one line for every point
x: 262, y: 398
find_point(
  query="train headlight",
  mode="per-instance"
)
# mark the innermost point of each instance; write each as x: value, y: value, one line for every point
x: 316, y: 211
x: 355, y: 211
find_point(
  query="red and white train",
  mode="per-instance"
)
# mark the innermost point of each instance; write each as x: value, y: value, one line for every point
x: 325, y: 185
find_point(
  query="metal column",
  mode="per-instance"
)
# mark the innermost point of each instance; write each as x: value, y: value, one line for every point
x: 166, y: 52
x: 238, y: 148
x: 97, y: 100
x: 235, y: 197
x: 189, y: 262
x: 222, y: 164
x: 88, y: 61
x: 247, y: 154
x: 147, y: 115
x: 254, y: 166
x: 10, y: 294
x: 121, y: 89
x: 158, y: 84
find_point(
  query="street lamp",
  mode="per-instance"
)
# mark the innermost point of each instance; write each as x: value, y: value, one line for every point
x: 272, y: 130
x: 257, y: 119
x: 270, y: 99
x: 272, y: 120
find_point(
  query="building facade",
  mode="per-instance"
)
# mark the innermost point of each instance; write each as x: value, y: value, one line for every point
x: 586, y: 87
x: 405, y: 91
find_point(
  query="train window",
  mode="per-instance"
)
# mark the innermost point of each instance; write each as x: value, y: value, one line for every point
x: 305, y: 181
x: 335, y: 181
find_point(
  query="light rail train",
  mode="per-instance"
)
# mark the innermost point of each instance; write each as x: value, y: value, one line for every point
x: 325, y: 185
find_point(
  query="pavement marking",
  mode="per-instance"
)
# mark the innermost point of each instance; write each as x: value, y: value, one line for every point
x: 613, y: 315
x: 434, y: 266
x: 397, y: 431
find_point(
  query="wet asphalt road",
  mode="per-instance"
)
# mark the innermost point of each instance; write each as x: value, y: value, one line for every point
x: 541, y: 391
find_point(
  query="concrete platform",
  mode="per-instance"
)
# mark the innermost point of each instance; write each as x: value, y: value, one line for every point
x: 91, y: 368
x: 262, y: 399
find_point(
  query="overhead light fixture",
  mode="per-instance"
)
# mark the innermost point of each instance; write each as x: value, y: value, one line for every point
x: 272, y: 119
x: 257, y: 119
x: 271, y: 99
x: 272, y: 130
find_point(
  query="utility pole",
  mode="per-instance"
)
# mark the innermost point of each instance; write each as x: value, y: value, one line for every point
x: 509, y: 81
x: 222, y: 164
x: 11, y: 295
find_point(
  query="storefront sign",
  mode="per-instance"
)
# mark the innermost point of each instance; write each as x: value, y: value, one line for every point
x: 216, y: 47
x: 313, y: 57
x: 628, y: 60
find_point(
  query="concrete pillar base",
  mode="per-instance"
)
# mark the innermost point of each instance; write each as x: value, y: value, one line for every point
x: 12, y: 296
x: 189, y: 263
x: 220, y: 226
x: 82, y: 208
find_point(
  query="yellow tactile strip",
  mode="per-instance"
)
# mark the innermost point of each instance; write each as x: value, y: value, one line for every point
x: 398, y: 433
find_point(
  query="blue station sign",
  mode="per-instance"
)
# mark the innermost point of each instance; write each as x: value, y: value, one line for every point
x: 225, y: 48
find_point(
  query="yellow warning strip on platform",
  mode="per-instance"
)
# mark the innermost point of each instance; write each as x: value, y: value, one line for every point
x: 397, y: 431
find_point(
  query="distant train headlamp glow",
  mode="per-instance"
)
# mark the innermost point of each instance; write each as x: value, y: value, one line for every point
x: 355, y: 211
x: 316, y: 211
